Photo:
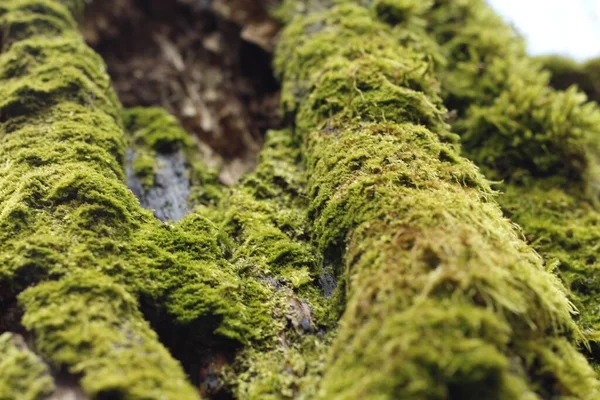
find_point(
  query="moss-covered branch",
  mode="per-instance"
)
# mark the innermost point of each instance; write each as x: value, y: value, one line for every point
x: 23, y: 375
x: 443, y: 297
x: 265, y: 216
x: 550, y: 140
x: 510, y: 120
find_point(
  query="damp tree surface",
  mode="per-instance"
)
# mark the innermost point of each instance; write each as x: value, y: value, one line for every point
x: 298, y: 199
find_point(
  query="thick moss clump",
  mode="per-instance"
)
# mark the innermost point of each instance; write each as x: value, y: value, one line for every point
x: 444, y: 299
x: 501, y: 94
x: 23, y: 375
x: 508, y: 115
x: 565, y: 229
x: 265, y: 216
x: 76, y: 248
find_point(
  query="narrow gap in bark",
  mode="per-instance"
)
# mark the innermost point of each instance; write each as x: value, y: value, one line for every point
x: 200, y: 352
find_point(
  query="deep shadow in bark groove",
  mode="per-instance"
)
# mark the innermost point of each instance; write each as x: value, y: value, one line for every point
x: 200, y: 352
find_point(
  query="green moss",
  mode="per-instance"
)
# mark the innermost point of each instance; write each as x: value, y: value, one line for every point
x: 544, y: 141
x: 90, y: 325
x: 23, y: 376
x: 265, y: 216
x: 565, y: 229
x: 444, y: 299
x: 508, y: 117
x: 75, y: 246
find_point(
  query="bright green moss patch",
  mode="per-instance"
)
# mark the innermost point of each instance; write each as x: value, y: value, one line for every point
x: 91, y: 325
x: 517, y: 127
x: 565, y: 229
x: 444, y: 299
x: 23, y: 375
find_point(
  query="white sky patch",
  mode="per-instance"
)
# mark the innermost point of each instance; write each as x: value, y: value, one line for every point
x: 567, y: 27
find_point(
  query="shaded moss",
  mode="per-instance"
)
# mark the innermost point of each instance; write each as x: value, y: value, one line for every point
x: 266, y: 218
x: 567, y: 72
x: 444, y: 299
x: 23, y: 376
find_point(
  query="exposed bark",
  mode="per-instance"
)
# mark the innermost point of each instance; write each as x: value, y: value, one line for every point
x: 206, y: 62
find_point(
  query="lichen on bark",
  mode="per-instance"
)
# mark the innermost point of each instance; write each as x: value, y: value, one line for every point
x: 444, y: 299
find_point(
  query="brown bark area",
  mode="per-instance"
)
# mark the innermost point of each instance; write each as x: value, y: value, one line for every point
x: 206, y: 62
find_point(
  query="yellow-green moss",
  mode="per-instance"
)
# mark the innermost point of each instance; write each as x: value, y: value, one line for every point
x: 509, y: 118
x: 444, y: 299
x: 565, y: 229
x: 266, y: 218
x: 502, y: 98
x: 23, y: 375
x: 75, y: 241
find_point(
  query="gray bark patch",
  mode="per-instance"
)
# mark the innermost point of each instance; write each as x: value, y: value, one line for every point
x: 168, y: 198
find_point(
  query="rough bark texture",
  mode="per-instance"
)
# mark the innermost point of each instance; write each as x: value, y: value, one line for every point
x: 365, y: 257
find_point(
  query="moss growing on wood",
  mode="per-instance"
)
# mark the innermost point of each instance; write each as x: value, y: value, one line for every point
x: 444, y: 299
x: 265, y: 216
x: 508, y: 115
x: 70, y: 226
x: 565, y: 229
x: 23, y: 375
x: 89, y: 324
x: 501, y: 94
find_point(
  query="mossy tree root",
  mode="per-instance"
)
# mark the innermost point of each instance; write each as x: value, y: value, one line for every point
x: 444, y: 299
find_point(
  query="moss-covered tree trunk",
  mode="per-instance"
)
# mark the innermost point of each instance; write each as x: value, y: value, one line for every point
x: 365, y: 257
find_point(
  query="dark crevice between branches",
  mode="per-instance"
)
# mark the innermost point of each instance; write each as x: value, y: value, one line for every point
x: 201, y: 353
x: 206, y: 62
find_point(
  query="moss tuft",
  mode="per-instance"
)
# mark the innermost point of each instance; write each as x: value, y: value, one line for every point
x: 508, y: 116
x: 265, y: 216
x: 444, y: 299
x: 23, y: 375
